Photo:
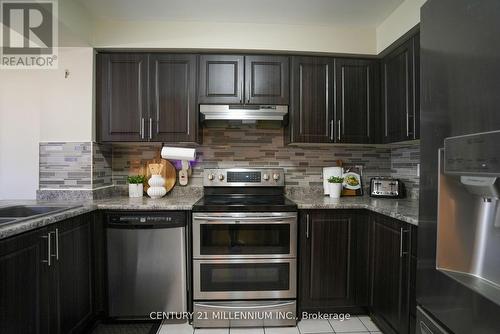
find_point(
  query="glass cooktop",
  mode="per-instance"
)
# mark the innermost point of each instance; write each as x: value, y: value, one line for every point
x: 234, y: 203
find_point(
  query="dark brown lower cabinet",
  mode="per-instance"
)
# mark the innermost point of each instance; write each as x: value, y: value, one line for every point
x: 357, y: 261
x: 74, y: 273
x: 36, y: 297
x: 334, y: 261
x: 24, y: 284
x: 393, y: 277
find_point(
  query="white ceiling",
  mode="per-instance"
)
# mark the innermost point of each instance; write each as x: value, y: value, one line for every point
x: 315, y: 12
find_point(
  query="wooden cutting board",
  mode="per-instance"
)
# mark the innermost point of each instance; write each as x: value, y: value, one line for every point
x: 168, y: 172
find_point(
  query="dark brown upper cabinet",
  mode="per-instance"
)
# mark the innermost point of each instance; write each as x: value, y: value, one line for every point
x: 267, y: 80
x: 221, y: 79
x: 355, y: 106
x: 400, y: 97
x: 334, y: 262
x: 237, y: 79
x: 312, y: 101
x: 122, y: 97
x: 173, y: 115
x: 147, y: 97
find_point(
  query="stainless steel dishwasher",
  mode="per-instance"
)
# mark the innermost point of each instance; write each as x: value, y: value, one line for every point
x: 146, y: 259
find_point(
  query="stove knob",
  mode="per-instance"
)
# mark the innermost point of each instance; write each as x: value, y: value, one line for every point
x: 265, y: 177
x: 211, y: 176
x: 276, y: 177
x: 221, y: 177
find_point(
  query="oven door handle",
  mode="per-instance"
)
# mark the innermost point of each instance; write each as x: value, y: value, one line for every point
x: 239, y: 219
x: 246, y: 307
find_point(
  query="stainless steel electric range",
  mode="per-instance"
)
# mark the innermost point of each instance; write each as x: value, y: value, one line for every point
x: 244, y: 250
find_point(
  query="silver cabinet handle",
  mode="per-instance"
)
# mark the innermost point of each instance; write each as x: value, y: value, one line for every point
x: 307, y: 226
x: 150, y: 128
x: 142, y: 127
x: 331, y: 130
x: 241, y: 92
x: 407, y: 123
x: 49, y: 250
x: 339, y: 129
x: 402, y: 252
x: 57, y: 244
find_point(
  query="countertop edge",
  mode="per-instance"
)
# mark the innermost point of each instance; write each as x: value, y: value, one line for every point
x: 33, y: 224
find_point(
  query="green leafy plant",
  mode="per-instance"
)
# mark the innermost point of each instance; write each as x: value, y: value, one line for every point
x: 136, y: 179
x: 335, y: 179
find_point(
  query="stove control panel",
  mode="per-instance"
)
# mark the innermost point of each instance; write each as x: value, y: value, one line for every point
x: 244, y: 177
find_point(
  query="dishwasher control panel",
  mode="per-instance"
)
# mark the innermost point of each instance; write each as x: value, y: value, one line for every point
x: 149, y: 218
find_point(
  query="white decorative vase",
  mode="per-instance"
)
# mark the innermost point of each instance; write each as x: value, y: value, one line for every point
x: 156, y: 188
x: 135, y: 190
x: 335, y: 189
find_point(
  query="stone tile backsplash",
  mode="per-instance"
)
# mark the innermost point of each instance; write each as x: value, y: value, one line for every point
x: 90, y: 166
x: 65, y: 165
x: 404, y: 166
x: 75, y: 165
x: 248, y: 146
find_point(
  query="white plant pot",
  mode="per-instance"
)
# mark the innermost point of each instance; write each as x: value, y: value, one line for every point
x: 135, y: 190
x: 335, y: 189
x: 156, y: 188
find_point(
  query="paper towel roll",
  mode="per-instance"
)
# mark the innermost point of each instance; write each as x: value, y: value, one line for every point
x: 178, y: 153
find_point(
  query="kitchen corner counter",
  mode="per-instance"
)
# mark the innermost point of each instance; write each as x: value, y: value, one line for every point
x: 29, y: 224
x: 115, y: 203
x: 402, y: 209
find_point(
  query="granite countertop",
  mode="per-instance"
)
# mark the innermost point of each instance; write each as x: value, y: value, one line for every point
x: 145, y: 203
x: 403, y: 209
x: 25, y: 225
x: 78, y: 208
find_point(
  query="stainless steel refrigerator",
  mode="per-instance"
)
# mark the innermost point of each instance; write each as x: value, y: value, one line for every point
x: 458, y: 277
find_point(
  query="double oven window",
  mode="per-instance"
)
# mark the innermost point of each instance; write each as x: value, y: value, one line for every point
x: 244, y: 239
x: 249, y: 256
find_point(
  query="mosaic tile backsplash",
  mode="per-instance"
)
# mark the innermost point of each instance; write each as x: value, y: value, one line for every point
x: 404, y: 166
x: 75, y: 165
x: 65, y: 165
x: 247, y: 147
x: 91, y: 166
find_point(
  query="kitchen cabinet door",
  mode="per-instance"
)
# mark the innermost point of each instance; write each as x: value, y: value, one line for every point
x: 399, y: 93
x: 173, y: 116
x: 311, y: 119
x: 122, y: 97
x: 391, y: 274
x: 24, y: 284
x: 221, y: 79
x: 334, y: 261
x: 355, y: 106
x: 267, y: 80
x: 74, y: 266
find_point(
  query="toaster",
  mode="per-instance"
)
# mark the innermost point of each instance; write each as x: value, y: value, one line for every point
x: 386, y: 187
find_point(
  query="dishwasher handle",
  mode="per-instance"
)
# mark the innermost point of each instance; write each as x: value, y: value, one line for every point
x: 145, y: 226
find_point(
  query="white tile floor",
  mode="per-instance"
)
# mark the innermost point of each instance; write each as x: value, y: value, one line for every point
x: 355, y: 325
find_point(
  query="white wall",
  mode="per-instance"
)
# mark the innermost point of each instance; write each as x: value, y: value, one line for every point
x: 19, y: 133
x: 405, y: 17
x: 236, y: 36
x: 41, y: 105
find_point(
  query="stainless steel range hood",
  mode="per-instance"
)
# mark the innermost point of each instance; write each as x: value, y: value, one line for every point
x: 243, y: 112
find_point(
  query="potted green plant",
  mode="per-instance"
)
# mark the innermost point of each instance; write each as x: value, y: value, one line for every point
x: 135, y: 185
x: 335, y: 186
